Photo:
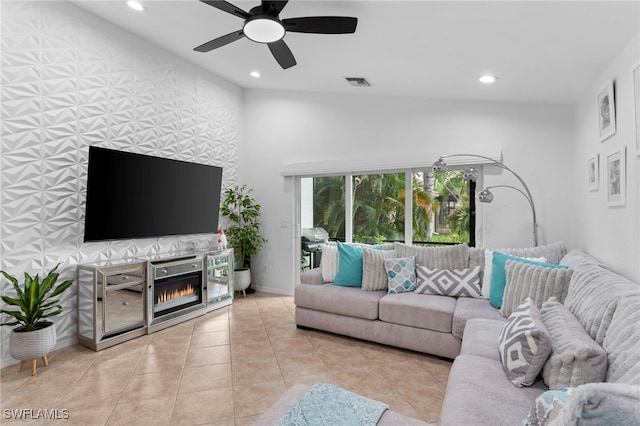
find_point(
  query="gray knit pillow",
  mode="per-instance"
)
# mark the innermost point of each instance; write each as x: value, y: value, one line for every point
x: 524, y: 345
x: 575, y: 358
x: 374, y: 276
x: 452, y: 257
x: 534, y: 281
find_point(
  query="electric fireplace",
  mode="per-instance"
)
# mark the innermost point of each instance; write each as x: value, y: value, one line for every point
x: 177, y: 289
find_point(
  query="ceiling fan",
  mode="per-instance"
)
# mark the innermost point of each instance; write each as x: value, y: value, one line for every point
x: 262, y: 24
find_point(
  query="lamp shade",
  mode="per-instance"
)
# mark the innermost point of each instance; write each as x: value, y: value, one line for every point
x: 440, y: 166
x: 485, y: 196
x: 470, y: 173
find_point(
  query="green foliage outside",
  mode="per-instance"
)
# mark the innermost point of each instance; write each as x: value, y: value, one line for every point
x: 378, y: 207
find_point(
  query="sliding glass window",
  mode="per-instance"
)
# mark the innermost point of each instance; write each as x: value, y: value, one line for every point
x: 442, y: 207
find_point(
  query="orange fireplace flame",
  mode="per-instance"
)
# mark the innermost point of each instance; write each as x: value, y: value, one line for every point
x: 167, y: 296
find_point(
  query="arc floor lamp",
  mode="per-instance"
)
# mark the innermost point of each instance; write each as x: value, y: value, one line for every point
x: 486, y: 196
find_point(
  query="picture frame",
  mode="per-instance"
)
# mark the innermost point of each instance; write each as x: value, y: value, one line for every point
x: 593, y: 173
x: 636, y: 99
x: 606, y: 112
x: 617, y: 178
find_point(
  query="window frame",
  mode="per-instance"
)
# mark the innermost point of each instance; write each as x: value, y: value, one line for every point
x: 409, y: 172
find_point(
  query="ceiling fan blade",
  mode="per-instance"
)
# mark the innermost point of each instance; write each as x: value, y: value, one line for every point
x: 275, y: 7
x: 282, y: 53
x: 321, y: 24
x: 220, y: 41
x: 227, y: 7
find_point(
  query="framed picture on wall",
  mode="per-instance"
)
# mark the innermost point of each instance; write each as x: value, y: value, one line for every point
x: 617, y: 178
x: 593, y: 173
x: 606, y: 112
x: 636, y: 103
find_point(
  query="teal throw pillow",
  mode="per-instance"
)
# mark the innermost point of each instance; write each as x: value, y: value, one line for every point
x: 499, y: 275
x: 349, y: 266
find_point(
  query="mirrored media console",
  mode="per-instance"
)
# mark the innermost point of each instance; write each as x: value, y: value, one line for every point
x: 122, y: 299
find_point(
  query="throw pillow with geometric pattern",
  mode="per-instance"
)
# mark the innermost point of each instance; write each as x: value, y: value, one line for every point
x: 401, y: 274
x: 524, y: 344
x: 446, y: 282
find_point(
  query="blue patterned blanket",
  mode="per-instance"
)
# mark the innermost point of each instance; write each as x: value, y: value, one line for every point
x: 329, y: 405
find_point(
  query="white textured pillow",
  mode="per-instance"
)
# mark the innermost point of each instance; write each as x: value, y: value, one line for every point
x: 329, y: 261
x: 486, y: 276
x: 374, y: 276
x: 447, y: 282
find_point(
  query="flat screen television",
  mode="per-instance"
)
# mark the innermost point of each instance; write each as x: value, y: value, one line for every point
x: 140, y: 196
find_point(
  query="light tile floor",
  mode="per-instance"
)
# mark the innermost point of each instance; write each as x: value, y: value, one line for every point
x: 223, y: 368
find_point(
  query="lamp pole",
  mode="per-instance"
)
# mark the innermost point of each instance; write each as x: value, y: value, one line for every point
x: 440, y: 165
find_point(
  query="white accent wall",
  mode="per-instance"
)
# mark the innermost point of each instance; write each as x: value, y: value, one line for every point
x: 70, y: 80
x: 283, y: 128
x: 612, y: 234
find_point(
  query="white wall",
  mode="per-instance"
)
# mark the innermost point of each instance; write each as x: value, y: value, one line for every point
x: 287, y: 127
x: 612, y: 234
x: 70, y: 80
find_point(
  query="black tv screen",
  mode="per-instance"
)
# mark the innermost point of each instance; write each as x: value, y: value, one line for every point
x: 139, y: 196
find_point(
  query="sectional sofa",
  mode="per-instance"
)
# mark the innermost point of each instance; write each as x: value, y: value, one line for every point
x: 590, y: 317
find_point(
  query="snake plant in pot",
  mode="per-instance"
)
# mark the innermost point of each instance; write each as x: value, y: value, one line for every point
x: 36, y: 301
x: 244, y: 233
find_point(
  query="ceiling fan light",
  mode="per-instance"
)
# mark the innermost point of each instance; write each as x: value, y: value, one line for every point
x: 487, y: 79
x: 135, y: 5
x: 263, y: 29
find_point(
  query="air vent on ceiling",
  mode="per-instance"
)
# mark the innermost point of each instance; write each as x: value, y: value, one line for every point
x: 358, y: 81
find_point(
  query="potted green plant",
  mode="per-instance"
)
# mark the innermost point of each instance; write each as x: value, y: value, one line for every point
x: 34, y: 337
x: 244, y: 232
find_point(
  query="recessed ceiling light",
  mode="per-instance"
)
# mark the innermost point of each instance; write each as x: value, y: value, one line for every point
x: 487, y: 79
x: 254, y: 74
x: 135, y: 5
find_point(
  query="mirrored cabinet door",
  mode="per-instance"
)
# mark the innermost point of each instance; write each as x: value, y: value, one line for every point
x: 219, y: 276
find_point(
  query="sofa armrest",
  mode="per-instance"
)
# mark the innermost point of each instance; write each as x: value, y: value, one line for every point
x: 313, y: 276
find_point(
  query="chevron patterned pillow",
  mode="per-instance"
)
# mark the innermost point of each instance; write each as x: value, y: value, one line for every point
x: 446, y: 282
x: 524, y: 344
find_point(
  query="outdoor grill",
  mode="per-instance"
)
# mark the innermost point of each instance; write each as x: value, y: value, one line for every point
x: 312, y: 239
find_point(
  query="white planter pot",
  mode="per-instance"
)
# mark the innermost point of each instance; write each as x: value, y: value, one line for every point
x: 241, y: 279
x: 30, y: 345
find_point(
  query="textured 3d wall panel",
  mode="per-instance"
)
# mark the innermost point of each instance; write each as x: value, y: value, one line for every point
x: 70, y: 81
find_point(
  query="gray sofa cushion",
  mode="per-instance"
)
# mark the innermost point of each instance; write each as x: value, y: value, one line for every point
x: 535, y: 281
x: 575, y: 258
x: 481, y: 338
x: 575, y: 357
x: 468, y: 308
x: 374, y: 276
x: 597, y: 404
x: 453, y: 257
x: 479, y: 393
x: 313, y: 276
x: 552, y: 252
x: 349, y: 301
x: 622, y: 342
x: 594, y: 293
x: 418, y: 310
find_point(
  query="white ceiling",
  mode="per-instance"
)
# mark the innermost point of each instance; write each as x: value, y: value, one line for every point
x: 542, y: 51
